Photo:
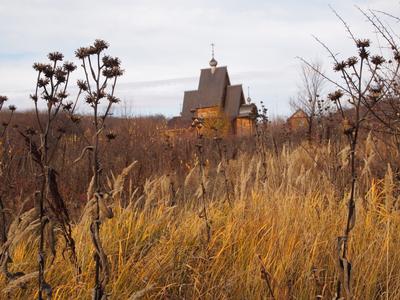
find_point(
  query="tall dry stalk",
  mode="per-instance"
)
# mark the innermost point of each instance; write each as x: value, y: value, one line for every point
x: 51, y: 87
x: 5, y: 164
x: 198, y: 123
x: 101, y: 74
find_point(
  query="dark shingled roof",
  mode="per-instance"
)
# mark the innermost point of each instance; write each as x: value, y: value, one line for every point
x: 212, y: 87
x: 234, y: 98
x: 190, y: 101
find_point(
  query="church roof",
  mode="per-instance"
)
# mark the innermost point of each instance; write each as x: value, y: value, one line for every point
x: 234, y: 98
x: 212, y: 87
x: 190, y: 99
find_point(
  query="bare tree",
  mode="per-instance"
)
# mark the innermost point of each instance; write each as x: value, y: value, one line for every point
x: 309, y: 98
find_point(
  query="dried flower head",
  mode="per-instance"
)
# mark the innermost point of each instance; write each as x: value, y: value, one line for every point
x: 335, y: 96
x: 39, y: 67
x: 113, y: 99
x: 110, y: 135
x: 69, y: 66
x: 82, y: 85
x: 91, y: 50
x: 34, y: 98
x: 42, y: 82
x: 377, y: 60
x: 112, y: 72
x: 100, y: 45
x: 365, y: 43
x: 110, y: 62
x: 68, y: 106
x: 339, y: 66
x: 12, y: 108
x: 62, y: 95
x: 3, y: 99
x: 48, y: 71
x: 90, y: 99
x: 81, y: 52
x: 102, y: 94
x: 55, y: 56
x: 352, y: 61
x: 60, y: 75
x: 396, y: 56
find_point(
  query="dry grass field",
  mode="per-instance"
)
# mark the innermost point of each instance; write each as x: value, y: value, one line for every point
x: 275, y: 238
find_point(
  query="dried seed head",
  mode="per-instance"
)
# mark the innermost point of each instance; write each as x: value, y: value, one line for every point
x: 377, y: 60
x: 39, y: 67
x: 60, y: 75
x: 352, y: 61
x: 42, y: 82
x: 34, y: 98
x: 111, y: 136
x: 100, y: 45
x: 82, y: 85
x: 12, y: 108
x: 62, y: 95
x: 339, y: 66
x: 3, y: 99
x: 48, y: 71
x: 110, y: 62
x: 335, y: 96
x: 55, y: 56
x: 68, y: 106
x: 113, y: 99
x: 82, y: 52
x: 397, y: 56
x: 365, y: 43
x: 90, y: 99
x: 112, y: 72
x: 69, y: 66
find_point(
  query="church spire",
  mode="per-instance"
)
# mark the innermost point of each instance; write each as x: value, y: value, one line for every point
x: 248, y: 95
x: 213, y: 62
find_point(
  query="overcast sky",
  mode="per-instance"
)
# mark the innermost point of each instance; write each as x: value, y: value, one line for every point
x: 163, y: 44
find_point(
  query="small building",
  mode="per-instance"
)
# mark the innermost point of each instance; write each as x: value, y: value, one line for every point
x: 217, y: 99
x: 298, y: 120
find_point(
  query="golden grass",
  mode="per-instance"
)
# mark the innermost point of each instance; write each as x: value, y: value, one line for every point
x: 292, y: 221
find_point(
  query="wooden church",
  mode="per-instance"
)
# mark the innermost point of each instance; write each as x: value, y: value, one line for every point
x: 216, y: 98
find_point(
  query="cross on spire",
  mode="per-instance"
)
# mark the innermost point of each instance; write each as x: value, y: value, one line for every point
x: 213, y: 62
x: 248, y: 95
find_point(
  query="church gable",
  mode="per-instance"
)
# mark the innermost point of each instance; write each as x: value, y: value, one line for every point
x: 212, y: 87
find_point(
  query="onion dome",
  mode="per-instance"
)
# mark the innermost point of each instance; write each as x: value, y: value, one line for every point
x: 213, y: 63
